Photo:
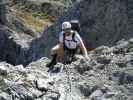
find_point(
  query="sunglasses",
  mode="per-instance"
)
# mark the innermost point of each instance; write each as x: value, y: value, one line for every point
x: 68, y: 29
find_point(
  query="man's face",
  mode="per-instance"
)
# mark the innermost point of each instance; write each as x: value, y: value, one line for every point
x: 67, y: 31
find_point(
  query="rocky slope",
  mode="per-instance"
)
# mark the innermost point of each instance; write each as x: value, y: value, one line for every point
x: 107, y: 75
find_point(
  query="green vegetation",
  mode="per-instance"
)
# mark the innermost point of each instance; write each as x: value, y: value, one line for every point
x: 36, y: 20
x: 40, y: 15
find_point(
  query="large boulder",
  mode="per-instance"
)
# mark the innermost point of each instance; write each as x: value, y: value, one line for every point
x: 13, y: 48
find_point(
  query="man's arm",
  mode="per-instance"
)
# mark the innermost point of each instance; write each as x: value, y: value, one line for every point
x: 83, y: 48
x: 61, y: 45
x: 61, y: 48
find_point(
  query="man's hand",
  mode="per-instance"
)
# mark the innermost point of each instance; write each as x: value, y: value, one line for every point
x: 87, y: 58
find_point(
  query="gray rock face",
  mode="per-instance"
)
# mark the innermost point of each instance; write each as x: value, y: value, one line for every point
x: 8, y: 52
x: 13, y: 47
x: 3, y: 11
x: 103, y: 22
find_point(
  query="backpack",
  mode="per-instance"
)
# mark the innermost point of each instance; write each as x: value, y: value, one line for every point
x: 75, y: 25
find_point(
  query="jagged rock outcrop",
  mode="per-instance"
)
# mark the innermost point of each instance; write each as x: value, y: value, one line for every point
x: 14, y: 45
x: 107, y: 74
x: 49, y: 7
x: 12, y: 49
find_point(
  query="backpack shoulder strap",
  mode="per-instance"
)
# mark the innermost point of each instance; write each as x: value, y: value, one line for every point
x: 63, y: 40
x: 73, y: 36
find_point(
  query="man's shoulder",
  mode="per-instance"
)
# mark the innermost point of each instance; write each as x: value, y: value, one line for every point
x: 61, y: 33
x: 76, y: 34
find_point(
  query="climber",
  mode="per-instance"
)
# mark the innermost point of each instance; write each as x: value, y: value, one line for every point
x: 69, y: 41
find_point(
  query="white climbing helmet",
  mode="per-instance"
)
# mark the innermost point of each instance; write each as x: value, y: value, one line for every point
x: 66, y: 25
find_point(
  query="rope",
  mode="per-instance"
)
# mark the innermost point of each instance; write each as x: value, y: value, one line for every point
x: 67, y: 70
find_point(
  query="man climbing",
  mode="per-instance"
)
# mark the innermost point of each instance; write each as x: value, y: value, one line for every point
x: 69, y: 41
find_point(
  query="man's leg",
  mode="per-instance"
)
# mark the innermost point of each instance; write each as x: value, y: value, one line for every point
x: 54, y: 54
